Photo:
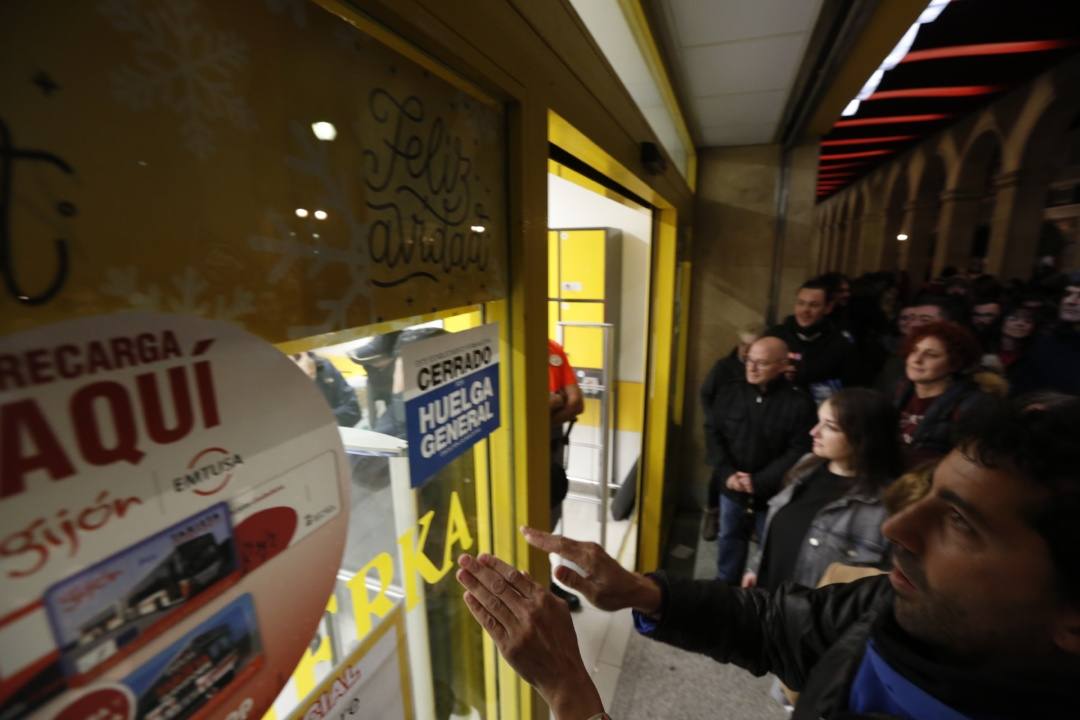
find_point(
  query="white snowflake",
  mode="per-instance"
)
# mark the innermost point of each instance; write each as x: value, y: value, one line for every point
x: 186, y: 295
x: 182, y: 65
x: 313, y: 162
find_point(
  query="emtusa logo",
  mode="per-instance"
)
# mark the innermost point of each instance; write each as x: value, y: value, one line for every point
x: 208, y: 472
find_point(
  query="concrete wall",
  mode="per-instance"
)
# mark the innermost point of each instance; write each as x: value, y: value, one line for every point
x: 732, y: 256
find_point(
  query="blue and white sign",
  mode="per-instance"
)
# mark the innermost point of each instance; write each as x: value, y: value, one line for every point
x: 451, y: 396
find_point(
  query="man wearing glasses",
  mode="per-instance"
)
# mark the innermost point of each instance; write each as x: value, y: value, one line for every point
x: 756, y: 429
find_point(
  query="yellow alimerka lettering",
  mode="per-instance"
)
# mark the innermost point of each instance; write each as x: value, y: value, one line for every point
x: 413, y: 560
x: 304, y: 674
x: 365, y: 606
x: 457, y: 531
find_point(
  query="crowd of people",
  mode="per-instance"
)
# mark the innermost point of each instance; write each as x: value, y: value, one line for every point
x: 926, y: 452
x: 891, y: 376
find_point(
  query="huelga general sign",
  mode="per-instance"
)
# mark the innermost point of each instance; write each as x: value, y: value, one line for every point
x: 451, y: 396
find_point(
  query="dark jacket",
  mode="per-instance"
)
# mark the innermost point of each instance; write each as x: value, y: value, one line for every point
x: 763, y: 434
x: 724, y: 370
x: 338, y: 393
x: 847, y: 530
x: 933, y: 437
x: 815, y: 641
x: 1052, y: 364
x: 826, y: 359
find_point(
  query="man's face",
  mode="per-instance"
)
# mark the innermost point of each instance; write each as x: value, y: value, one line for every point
x: 764, y: 363
x: 1070, y: 305
x: 810, y: 307
x: 972, y: 577
x: 985, y: 315
x: 914, y: 317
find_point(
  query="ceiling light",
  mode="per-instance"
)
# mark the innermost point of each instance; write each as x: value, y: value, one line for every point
x: 895, y: 56
x: 301, y: 213
x: 477, y: 228
x: 320, y: 214
x: 902, y: 237
x: 324, y: 131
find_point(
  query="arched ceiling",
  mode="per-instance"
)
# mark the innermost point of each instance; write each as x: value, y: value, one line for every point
x: 974, y: 51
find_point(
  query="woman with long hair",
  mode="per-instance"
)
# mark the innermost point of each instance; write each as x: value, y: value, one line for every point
x: 830, y: 509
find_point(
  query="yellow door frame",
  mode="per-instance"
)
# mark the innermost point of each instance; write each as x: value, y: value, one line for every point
x: 661, y: 333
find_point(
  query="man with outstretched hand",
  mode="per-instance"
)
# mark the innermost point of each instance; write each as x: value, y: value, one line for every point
x: 980, y: 617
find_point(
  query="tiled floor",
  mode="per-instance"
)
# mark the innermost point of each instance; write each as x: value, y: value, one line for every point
x: 602, y: 636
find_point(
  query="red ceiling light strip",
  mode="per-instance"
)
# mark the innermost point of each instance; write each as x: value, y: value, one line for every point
x: 930, y: 92
x: 983, y: 49
x: 864, y: 153
x: 868, y: 140
x: 837, y: 166
x: 891, y: 120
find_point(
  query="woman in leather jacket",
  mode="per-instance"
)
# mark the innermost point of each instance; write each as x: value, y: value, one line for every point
x: 830, y: 509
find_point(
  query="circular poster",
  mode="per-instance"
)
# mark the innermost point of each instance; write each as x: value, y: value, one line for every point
x: 173, y: 497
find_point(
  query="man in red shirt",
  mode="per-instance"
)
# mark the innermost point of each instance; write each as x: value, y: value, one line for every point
x: 565, y: 402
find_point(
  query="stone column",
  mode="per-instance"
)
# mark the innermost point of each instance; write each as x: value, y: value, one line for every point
x: 956, y: 229
x: 920, y: 223
x: 872, y: 243
x: 836, y: 254
x: 1070, y: 254
x: 851, y: 247
x: 1019, y: 202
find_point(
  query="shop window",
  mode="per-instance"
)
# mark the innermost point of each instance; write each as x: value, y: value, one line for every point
x: 397, y: 612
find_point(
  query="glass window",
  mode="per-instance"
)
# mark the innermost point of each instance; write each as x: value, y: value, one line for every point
x: 396, y: 583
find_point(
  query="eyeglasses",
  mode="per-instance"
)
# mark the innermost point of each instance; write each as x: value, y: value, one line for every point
x: 759, y: 364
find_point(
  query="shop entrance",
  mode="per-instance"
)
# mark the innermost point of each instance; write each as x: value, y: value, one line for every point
x: 599, y: 264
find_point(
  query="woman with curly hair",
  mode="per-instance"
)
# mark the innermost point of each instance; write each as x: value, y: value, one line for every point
x: 940, y: 386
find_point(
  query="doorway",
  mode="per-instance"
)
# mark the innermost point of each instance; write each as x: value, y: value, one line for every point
x: 600, y: 254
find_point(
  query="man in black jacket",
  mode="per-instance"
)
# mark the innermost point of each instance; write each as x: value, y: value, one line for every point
x: 979, y: 618
x: 822, y: 354
x: 756, y: 428
x: 726, y: 369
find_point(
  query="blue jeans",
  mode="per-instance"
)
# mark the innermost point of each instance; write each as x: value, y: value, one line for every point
x: 737, y: 523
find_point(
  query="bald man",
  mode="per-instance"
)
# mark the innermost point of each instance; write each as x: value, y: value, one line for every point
x: 756, y: 429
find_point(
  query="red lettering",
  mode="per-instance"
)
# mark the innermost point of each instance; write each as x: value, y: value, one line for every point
x: 96, y: 358
x: 88, y: 429
x: 147, y: 348
x: 170, y: 348
x: 17, y: 418
x: 204, y: 382
x: 37, y: 362
x: 123, y: 352
x: 67, y: 371
x: 152, y: 406
x: 10, y: 377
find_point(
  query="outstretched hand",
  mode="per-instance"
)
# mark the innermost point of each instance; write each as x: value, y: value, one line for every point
x: 606, y: 584
x: 533, y: 631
